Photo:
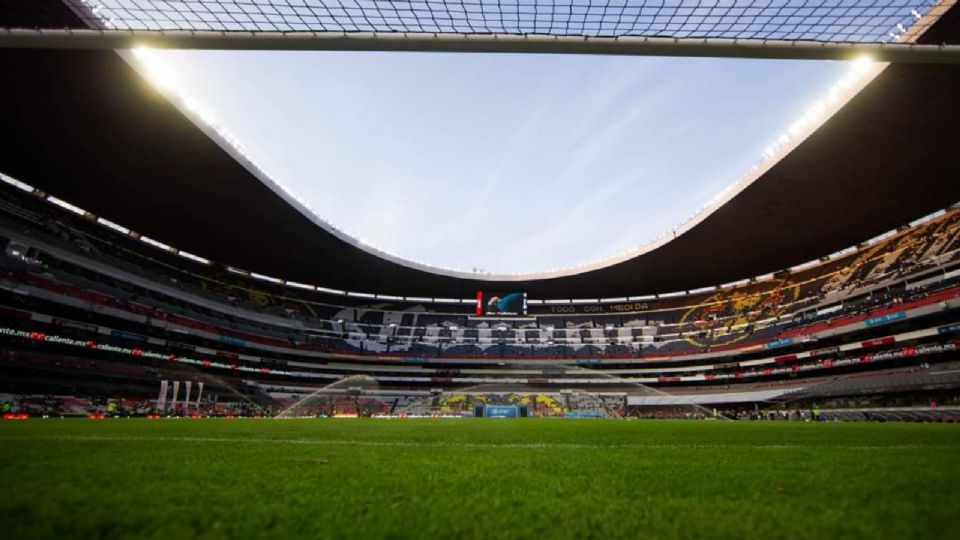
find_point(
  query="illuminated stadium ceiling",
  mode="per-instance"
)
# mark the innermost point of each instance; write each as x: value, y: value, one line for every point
x: 115, y: 147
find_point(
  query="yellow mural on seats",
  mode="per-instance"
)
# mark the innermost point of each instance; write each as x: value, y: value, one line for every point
x: 260, y: 298
x: 549, y: 403
x: 455, y: 399
x: 290, y: 300
x: 459, y: 401
x: 720, y: 313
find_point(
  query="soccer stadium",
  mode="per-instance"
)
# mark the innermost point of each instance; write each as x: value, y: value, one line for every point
x: 188, y: 349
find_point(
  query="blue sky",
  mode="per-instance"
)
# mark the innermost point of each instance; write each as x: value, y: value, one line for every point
x: 506, y: 163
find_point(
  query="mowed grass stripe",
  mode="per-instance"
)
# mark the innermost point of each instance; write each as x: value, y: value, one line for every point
x: 484, y: 446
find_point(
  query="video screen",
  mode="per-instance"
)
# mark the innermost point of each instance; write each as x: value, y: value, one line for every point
x: 497, y: 304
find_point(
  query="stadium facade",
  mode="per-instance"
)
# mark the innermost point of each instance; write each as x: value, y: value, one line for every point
x: 136, y: 271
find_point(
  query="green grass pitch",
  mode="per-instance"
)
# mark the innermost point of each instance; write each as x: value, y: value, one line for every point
x: 475, y: 478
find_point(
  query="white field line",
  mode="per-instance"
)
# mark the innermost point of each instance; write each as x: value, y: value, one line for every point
x: 469, y: 445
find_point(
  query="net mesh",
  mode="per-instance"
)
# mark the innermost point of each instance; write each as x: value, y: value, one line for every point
x: 861, y: 21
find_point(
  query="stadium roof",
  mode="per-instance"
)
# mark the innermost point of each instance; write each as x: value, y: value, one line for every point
x: 840, y: 20
x: 90, y: 130
x: 841, y: 29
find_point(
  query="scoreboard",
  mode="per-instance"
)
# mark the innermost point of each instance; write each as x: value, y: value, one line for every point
x: 499, y: 304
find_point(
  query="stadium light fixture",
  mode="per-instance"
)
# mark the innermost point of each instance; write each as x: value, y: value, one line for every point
x: 301, y: 285
x: 263, y: 277
x: 192, y: 257
x: 337, y: 292
x: 863, y: 64
x: 157, y: 244
x: 159, y: 74
x: 16, y: 183
x: 64, y: 204
x: 111, y: 225
x: 702, y: 290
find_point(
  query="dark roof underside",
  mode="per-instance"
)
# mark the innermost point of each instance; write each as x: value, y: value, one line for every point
x: 86, y: 128
x: 37, y: 14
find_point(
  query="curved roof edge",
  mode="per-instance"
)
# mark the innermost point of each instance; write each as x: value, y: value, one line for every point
x: 861, y: 73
